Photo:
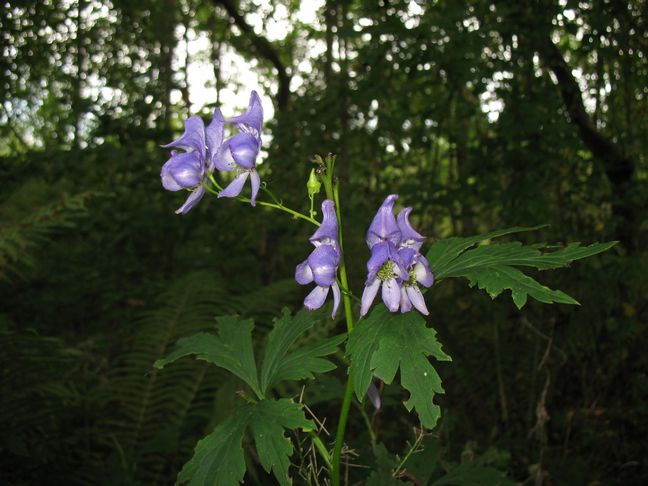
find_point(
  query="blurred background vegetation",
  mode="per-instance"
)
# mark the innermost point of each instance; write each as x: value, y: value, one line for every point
x: 481, y: 114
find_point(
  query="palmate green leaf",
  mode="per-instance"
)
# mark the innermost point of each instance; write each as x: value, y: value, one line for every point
x: 280, y: 363
x: 231, y: 349
x: 267, y: 423
x: 385, y: 342
x: 219, y: 459
x: 445, y: 251
x: 493, y: 267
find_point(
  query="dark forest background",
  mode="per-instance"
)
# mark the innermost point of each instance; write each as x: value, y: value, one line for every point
x: 98, y: 277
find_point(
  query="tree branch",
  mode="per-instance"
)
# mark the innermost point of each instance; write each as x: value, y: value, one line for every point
x: 618, y: 167
x: 265, y: 49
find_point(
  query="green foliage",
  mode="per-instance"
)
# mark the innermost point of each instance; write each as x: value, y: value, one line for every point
x: 491, y: 267
x: 151, y: 409
x: 37, y: 439
x: 231, y: 349
x: 219, y: 458
x: 279, y: 364
x: 23, y: 230
x: 383, y: 343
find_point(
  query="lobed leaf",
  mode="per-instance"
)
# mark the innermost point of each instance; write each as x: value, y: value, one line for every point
x: 268, y: 422
x: 443, y: 252
x: 231, y: 350
x: 385, y: 342
x: 279, y: 363
x: 493, y: 267
x: 219, y: 458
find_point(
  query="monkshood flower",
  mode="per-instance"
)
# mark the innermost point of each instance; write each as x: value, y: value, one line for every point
x: 385, y: 267
x: 239, y: 152
x: 321, y: 265
x: 188, y: 169
x: 417, y: 266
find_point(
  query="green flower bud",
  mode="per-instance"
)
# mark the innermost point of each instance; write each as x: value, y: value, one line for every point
x: 313, y: 185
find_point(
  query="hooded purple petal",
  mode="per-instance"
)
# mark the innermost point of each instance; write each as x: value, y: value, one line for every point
x: 327, y: 233
x: 303, y: 273
x: 336, y: 299
x: 182, y: 170
x: 416, y: 297
x: 391, y: 294
x: 214, y: 136
x: 244, y: 149
x: 379, y: 255
x: 193, y: 199
x: 316, y: 298
x: 235, y: 187
x: 368, y: 295
x: 252, y: 120
x: 384, y: 227
x: 408, y: 256
x: 193, y: 138
x: 409, y: 237
x: 323, y: 261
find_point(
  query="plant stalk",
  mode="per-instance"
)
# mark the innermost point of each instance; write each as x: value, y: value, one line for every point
x: 333, y: 193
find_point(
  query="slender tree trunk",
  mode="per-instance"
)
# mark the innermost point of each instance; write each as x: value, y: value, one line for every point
x: 77, y: 86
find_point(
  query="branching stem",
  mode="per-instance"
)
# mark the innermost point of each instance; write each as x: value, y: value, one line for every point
x: 275, y: 205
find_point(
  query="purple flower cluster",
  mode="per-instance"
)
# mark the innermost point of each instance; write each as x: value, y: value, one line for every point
x: 395, y: 264
x: 205, y: 150
x: 321, y: 265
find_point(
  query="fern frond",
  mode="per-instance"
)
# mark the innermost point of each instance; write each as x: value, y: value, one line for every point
x: 152, y: 410
x: 19, y: 239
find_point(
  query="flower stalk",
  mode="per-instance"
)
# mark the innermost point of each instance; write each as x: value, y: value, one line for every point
x: 332, y: 192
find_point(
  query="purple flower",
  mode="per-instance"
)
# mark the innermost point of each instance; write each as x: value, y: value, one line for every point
x: 385, y: 267
x: 395, y: 263
x: 321, y: 265
x: 187, y: 170
x: 418, y: 268
x: 239, y: 152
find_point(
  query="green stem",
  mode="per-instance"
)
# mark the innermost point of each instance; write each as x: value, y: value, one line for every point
x: 277, y: 205
x: 332, y: 193
x: 339, y: 435
x: 321, y: 448
x: 415, y: 446
x: 367, y: 421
